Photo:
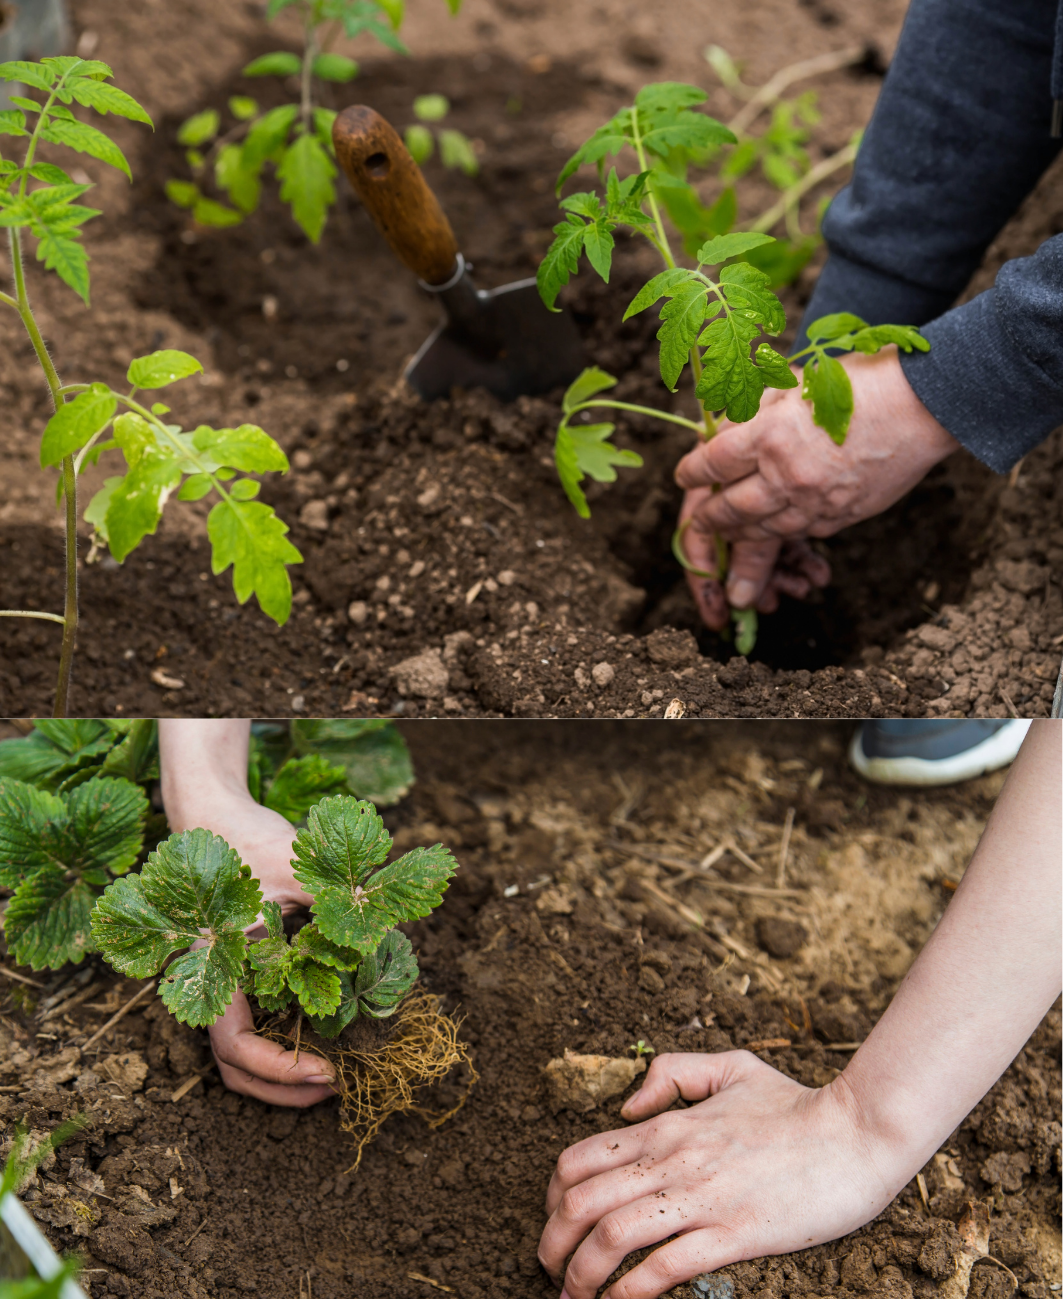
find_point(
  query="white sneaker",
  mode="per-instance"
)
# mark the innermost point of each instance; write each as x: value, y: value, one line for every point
x: 933, y: 752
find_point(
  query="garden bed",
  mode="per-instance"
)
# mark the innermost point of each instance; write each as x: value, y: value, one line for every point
x: 561, y: 930
x: 444, y: 526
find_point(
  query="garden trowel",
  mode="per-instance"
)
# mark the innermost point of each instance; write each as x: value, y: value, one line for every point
x: 504, y: 340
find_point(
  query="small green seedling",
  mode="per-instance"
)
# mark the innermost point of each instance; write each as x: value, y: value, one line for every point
x: 295, y: 139
x: 640, y: 1048
x: 74, y: 810
x: 39, y: 200
x: 718, y: 324
x: 350, y: 960
x: 455, y: 149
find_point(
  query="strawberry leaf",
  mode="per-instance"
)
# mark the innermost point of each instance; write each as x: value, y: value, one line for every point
x: 386, y: 976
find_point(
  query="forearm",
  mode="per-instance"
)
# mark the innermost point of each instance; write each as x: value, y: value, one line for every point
x: 202, y: 762
x: 982, y: 983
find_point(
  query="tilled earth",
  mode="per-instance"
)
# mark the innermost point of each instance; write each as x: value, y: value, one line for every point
x: 568, y: 927
x: 439, y: 533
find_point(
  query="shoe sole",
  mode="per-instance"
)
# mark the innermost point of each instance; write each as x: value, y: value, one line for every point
x: 993, y: 753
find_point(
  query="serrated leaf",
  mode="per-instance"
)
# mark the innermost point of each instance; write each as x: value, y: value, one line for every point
x: 729, y: 379
x: 561, y: 261
x: 68, y: 258
x: 335, y: 67
x: 77, y: 422
x: 247, y: 448
x: 834, y: 326
x: 682, y: 318
x: 52, y: 175
x: 306, y: 173
x: 107, y: 99
x: 587, y: 385
x: 38, y: 75
x: 191, y: 888
x: 274, y: 919
x: 747, y: 291
x: 334, y: 1024
x: 136, y: 504
x: 343, y: 840
x: 242, y: 185
x: 324, y: 119
x: 85, y: 139
x: 724, y: 247
x: 35, y: 759
x: 316, y: 986
x: 26, y: 819
x: 827, y: 386
x: 669, y: 96
x: 104, y: 825
x: 598, y: 244
x: 607, y: 141
x: 271, y: 959
x: 415, y: 884
x: 96, y: 510
x: 13, y: 122
x: 249, y: 536
x: 136, y: 756
x: 161, y: 368
x: 371, y: 750
x: 874, y: 337
x: 312, y: 943
x: 596, y: 456
x: 268, y: 135
x: 46, y: 923
x: 774, y: 368
x: 282, y: 63
x: 568, y: 470
x: 302, y: 782
x: 660, y: 286
x: 386, y: 976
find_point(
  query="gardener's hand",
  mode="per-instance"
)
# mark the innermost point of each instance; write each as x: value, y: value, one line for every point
x: 204, y: 783
x: 784, y: 479
x: 764, y: 1167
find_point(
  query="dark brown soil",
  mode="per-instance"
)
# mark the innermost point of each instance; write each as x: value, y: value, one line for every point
x: 558, y: 933
x: 446, y: 527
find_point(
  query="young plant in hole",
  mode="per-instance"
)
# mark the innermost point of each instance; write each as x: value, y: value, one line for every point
x: 710, y: 323
x: 640, y: 1048
x: 38, y: 200
x: 296, y: 139
x: 455, y: 149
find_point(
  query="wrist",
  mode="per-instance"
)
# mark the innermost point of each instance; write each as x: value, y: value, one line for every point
x: 891, y: 1149
x: 209, y: 802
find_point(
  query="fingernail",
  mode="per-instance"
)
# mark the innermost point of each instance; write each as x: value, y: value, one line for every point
x: 318, y: 1078
x: 741, y: 593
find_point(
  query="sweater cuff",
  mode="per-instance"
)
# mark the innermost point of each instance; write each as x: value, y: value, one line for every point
x: 996, y: 402
x: 874, y: 296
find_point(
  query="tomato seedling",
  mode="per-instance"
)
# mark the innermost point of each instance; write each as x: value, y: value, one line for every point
x: 455, y: 149
x: 38, y: 200
x: 711, y: 323
x: 74, y: 809
x: 296, y: 139
x: 350, y: 960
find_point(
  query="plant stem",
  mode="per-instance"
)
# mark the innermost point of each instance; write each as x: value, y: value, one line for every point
x: 310, y: 52
x: 639, y: 410
x: 771, y: 90
x: 70, y: 611
x: 799, y: 189
x: 30, y: 613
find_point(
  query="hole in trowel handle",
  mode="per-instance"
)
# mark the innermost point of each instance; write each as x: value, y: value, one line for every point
x: 378, y: 165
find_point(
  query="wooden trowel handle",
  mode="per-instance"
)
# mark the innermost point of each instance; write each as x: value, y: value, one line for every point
x: 394, y: 191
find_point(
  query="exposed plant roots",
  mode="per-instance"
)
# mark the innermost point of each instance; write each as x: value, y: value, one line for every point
x: 390, y: 1076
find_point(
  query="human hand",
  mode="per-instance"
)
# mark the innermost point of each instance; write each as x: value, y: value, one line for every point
x: 247, y: 1062
x: 783, y: 480
x: 765, y: 1166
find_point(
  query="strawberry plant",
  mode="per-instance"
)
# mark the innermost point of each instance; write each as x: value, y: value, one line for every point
x: 295, y: 139
x: 349, y: 961
x: 455, y: 149
x: 75, y: 812
x: 717, y: 324
x: 38, y: 200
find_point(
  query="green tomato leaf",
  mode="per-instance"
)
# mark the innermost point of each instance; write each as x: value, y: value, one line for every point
x: 729, y: 379
x: 136, y: 504
x: 317, y: 987
x: 268, y: 136
x: 457, y: 153
x: 662, y: 285
x: 306, y: 173
x: 242, y: 185
x: 195, y: 487
x: 371, y: 750
x: 208, y: 212
x: 46, y: 923
x: 161, y: 368
x: 748, y: 293
x: 827, y: 386
x: 38, y: 75
x: 596, y: 456
x: 245, y: 489
x: 431, y: 108
x: 561, y: 261
x: 77, y: 422
x: 598, y: 245
x: 421, y: 143
x: 335, y: 67
x: 282, y: 63
x: 874, y: 337
x: 106, y: 99
x: 682, y: 318
x: 85, y: 139
x: 834, y: 326
x: 249, y: 536
x: 724, y: 247
x: 191, y: 888
x: 775, y: 369
x: 591, y: 382
x: 242, y: 107
x: 182, y: 192
x: 568, y: 470
x: 247, y: 448
x: 386, y: 976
